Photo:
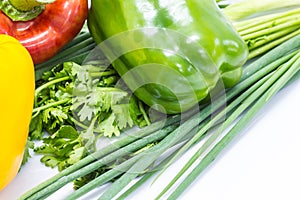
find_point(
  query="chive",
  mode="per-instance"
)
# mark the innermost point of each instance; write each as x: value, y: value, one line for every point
x: 139, y: 163
x: 76, y: 50
x: 161, y: 147
x: 252, y: 73
x: 272, y: 56
x: 247, y: 8
x: 282, y: 80
x: 262, y: 33
x: 271, y: 29
x: 273, y: 44
x: 202, y: 131
x: 270, y: 26
x: 120, y: 169
x: 147, y: 158
x: 68, y: 54
x: 264, y: 40
x: 264, y: 19
x: 79, y: 166
x: 80, y: 37
x: 161, y: 165
x: 145, y: 161
x: 254, y: 93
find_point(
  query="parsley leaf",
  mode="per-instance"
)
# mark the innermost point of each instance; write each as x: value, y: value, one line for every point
x: 77, y: 104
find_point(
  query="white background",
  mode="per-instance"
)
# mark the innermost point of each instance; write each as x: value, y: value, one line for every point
x: 263, y: 162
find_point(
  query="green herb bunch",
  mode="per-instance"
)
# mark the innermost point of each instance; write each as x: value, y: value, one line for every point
x: 77, y: 104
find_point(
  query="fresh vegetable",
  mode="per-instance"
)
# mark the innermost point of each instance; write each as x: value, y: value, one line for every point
x: 74, y: 103
x: 17, y: 93
x: 244, y: 8
x: 264, y: 32
x: 143, y: 152
x: 279, y: 73
x: 187, y: 42
x: 75, y: 51
x: 83, y: 44
x: 50, y: 28
x: 261, y: 80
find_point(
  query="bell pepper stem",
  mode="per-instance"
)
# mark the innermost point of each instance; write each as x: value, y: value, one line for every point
x: 20, y: 10
x: 28, y: 5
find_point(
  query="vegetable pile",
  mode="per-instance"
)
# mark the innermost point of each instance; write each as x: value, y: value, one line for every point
x: 262, y: 79
x: 152, y: 83
x: 180, y: 41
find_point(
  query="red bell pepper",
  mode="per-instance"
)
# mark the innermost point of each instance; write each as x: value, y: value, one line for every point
x: 44, y: 35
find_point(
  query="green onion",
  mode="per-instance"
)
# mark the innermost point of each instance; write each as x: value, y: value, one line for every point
x: 283, y: 75
x: 270, y: 32
x: 83, y: 164
x: 247, y: 8
x: 271, y: 83
x: 257, y: 89
x: 75, y: 51
x: 248, y: 90
x: 261, y: 80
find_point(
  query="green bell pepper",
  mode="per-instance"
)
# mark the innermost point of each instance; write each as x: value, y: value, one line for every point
x: 171, y: 54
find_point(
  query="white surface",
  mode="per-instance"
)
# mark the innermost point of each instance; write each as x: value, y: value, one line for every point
x: 263, y: 162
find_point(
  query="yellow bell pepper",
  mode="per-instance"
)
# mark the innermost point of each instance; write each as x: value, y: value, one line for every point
x: 17, y: 84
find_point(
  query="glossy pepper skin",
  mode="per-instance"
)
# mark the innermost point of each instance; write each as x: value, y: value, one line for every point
x: 17, y: 95
x: 172, y: 53
x: 46, y: 34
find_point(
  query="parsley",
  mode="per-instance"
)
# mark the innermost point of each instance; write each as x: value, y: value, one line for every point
x: 26, y: 155
x: 77, y: 104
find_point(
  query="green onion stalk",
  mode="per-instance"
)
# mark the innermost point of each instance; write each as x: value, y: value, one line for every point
x: 262, y: 33
x: 275, y: 36
x: 246, y: 8
x: 261, y: 80
x: 75, y: 51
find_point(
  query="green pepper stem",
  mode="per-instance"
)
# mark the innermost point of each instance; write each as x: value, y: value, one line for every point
x: 20, y: 10
x: 28, y: 5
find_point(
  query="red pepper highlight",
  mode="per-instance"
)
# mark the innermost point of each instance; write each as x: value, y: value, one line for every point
x: 46, y: 34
